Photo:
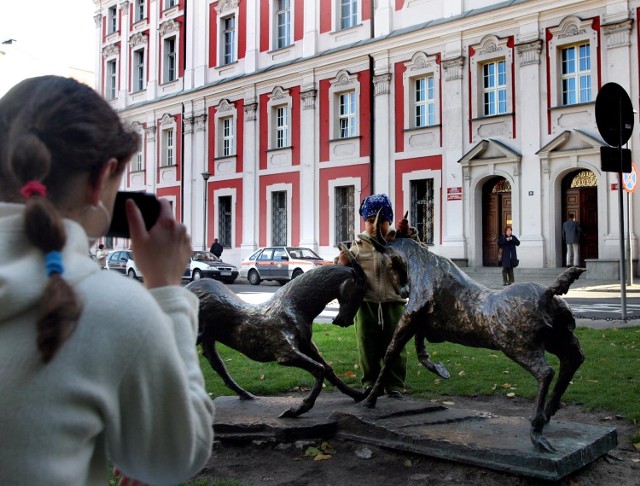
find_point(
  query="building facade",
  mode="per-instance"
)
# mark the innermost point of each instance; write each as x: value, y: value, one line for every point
x: 268, y: 121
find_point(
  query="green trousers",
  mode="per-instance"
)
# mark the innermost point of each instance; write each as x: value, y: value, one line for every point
x: 373, y: 340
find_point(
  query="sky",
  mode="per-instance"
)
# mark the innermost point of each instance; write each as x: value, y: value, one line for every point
x: 50, y: 38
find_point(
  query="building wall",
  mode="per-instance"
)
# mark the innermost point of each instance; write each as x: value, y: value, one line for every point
x: 533, y: 144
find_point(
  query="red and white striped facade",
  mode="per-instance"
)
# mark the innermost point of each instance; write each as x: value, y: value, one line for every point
x: 205, y: 81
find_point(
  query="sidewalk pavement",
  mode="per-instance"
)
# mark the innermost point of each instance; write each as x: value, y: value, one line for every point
x: 581, y: 288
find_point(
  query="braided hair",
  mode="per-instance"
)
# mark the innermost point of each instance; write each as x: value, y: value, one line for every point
x: 52, y: 130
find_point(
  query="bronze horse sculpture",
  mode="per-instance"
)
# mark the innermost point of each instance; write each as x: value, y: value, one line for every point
x: 522, y: 320
x: 281, y: 328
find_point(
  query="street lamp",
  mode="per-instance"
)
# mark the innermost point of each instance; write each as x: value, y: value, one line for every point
x: 205, y: 176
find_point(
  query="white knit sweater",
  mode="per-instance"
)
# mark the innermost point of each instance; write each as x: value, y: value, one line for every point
x: 126, y: 387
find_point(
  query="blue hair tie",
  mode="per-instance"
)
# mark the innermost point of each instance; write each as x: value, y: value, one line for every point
x: 53, y: 263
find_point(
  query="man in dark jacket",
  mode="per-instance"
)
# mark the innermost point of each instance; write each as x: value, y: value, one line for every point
x: 216, y: 248
x: 508, y: 243
x: 571, y: 235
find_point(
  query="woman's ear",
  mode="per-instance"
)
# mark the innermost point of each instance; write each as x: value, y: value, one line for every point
x: 95, y: 190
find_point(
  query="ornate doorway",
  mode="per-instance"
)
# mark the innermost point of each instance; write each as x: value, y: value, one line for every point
x: 496, y: 214
x: 580, y: 196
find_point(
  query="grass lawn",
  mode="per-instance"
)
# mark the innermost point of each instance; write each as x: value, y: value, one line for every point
x: 607, y: 380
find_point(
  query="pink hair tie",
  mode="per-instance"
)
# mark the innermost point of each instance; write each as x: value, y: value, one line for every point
x: 33, y: 188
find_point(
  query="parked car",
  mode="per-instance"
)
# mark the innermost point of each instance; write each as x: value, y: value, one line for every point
x: 122, y: 261
x: 206, y: 264
x: 279, y: 263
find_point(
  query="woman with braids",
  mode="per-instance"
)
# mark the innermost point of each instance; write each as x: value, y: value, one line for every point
x: 94, y: 368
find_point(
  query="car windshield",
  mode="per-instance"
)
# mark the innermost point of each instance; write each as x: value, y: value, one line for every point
x: 204, y: 256
x: 303, y: 253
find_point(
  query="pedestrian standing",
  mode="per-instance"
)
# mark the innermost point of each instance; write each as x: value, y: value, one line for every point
x: 571, y: 233
x: 508, y: 243
x: 216, y: 248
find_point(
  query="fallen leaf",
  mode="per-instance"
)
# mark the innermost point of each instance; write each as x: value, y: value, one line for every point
x: 448, y: 403
x: 436, y: 381
x: 408, y: 463
x: 349, y: 374
x: 322, y: 457
x: 506, y: 385
x: 326, y: 448
x: 505, y: 372
x: 462, y: 373
x: 511, y: 395
x: 262, y: 377
x: 637, y: 446
x: 312, y: 451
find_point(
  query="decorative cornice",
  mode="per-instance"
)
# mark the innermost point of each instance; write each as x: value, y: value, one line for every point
x: 308, y: 99
x: 201, y: 122
x: 97, y: 18
x: 382, y: 84
x: 168, y: 27
x: 124, y: 7
x: 188, y: 125
x: 151, y: 133
x: 139, y: 38
x: 224, y: 105
x: 279, y: 93
x: 618, y: 34
x: 250, y: 111
x: 453, y: 68
x: 167, y: 119
x: 529, y: 52
x: 111, y: 50
x: 225, y: 5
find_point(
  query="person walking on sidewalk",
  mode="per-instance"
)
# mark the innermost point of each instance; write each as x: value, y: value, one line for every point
x: 508, y: 243
x: 571, y: 233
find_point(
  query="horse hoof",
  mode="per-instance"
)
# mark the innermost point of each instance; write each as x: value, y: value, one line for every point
x: 541, y: 443
x: 291, y: 413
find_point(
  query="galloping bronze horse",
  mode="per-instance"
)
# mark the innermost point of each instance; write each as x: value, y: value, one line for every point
x: 281, y: 328
x: 523, y: 321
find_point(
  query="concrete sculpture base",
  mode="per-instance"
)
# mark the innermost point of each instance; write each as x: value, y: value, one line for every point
x: 467, y: 436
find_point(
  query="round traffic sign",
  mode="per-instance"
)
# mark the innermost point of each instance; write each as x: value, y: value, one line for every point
x: 614, y: 114
x: 630, y: 179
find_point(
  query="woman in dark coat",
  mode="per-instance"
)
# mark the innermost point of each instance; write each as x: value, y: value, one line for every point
x: 508, y: 243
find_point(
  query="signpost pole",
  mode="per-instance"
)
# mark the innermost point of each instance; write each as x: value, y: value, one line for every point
x: 623, y: 267
x: 629, y: 251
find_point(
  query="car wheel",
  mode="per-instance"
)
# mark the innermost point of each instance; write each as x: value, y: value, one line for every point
x: 253, y: 277
x: 132, y: 274
x: 296, y: 273
x: 197, y: 275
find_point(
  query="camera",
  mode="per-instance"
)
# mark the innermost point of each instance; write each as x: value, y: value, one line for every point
x: 147, y: 203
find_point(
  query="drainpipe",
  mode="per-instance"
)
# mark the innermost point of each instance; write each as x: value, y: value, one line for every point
x: 182, y: 162
x: 372, y: 111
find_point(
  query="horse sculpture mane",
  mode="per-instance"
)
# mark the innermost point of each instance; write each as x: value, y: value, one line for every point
x: 279, y: 329
x: 522, y: 320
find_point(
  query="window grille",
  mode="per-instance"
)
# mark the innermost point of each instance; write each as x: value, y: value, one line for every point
x: 224, y: 221
x: 279, y: 218
x: 422, y: 209
x: 345, y: 214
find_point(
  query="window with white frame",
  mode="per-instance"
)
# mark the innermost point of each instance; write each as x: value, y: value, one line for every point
x: 168, y: 147
x: 347, y: 14
x: 170, y: 60
x: 138, y: 70
x: 139, y: 10
x: 573, y: 62
x: 282, y: 23
x: 112, y: 19
x: 347, y: 125
x: 491, y: 68
x: 281, y: 125
x: 111, y: 80
x: 424, y: 101
x: 227, y: 137
x: 344, y: 214
x: 494, y: 88
x: 228, y: 39
x: 138, y: 164
x: 576, y: 74
x: 170, y: 4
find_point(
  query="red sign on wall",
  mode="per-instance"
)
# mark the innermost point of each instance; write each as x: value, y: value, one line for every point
x: 454, y: 193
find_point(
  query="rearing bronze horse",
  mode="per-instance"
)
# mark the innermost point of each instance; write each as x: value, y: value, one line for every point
x: 281, y: 328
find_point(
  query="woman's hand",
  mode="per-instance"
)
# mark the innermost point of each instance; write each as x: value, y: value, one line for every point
x: 162, y: 252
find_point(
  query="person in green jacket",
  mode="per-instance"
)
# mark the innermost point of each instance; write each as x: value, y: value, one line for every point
x: 382, y: 308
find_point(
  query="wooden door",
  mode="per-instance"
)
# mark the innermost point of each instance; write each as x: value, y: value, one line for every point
x: 496, y: 215
x: 583, y: 202
x: 490, y: 230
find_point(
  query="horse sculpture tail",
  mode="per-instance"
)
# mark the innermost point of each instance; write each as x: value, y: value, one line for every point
x: 564, y: 281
